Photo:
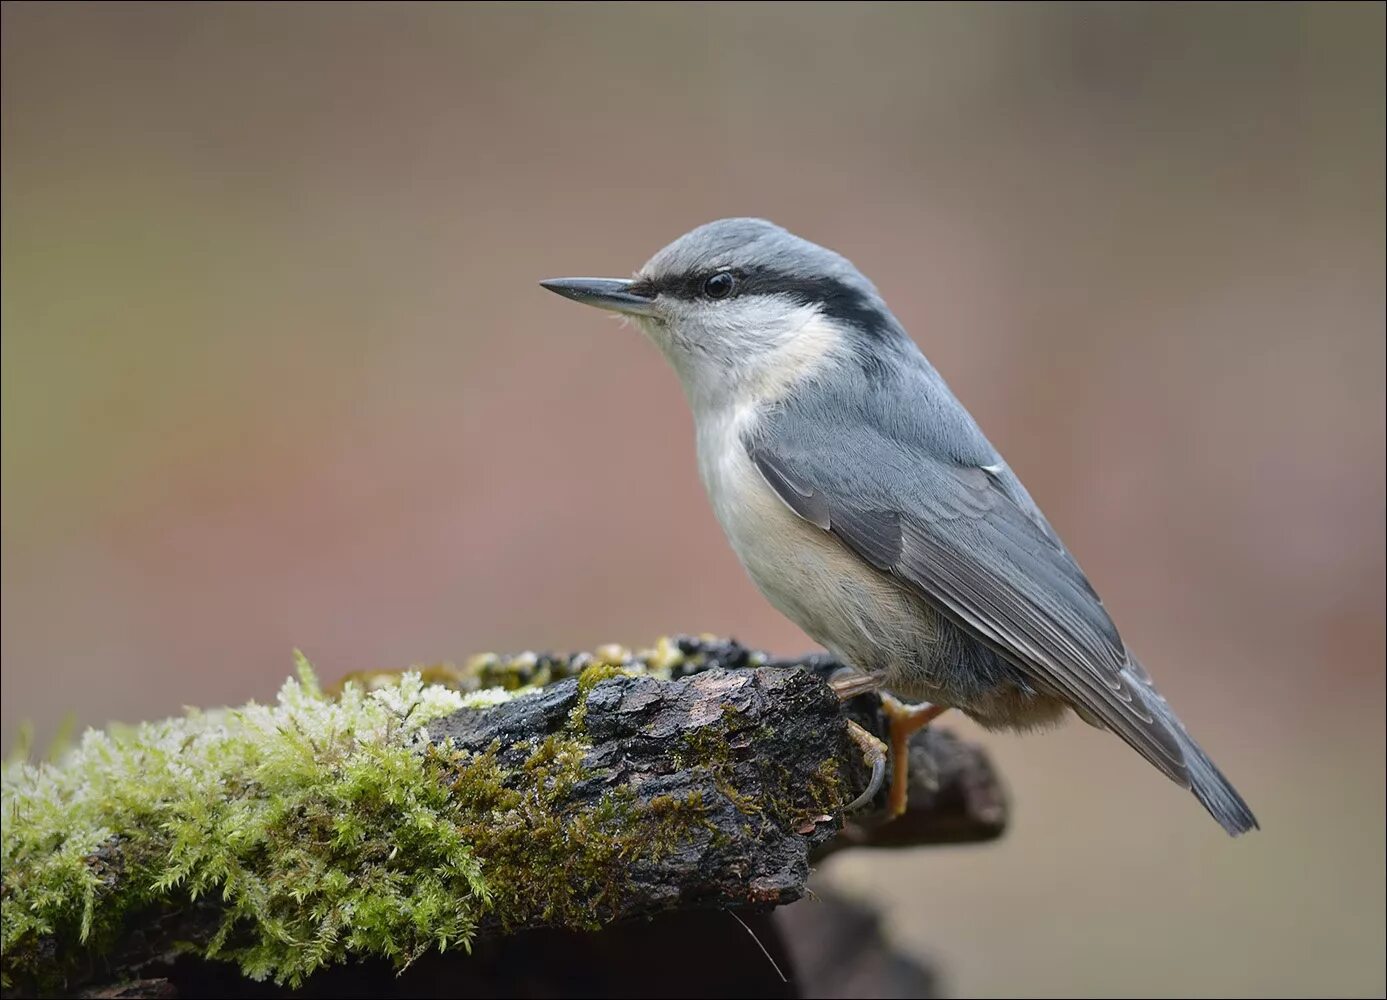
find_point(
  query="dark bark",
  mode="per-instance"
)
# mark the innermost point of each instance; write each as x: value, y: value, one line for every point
x: 760, y: 743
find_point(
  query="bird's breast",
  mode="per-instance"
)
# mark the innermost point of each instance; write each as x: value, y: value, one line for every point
x: 805, y: 572
x: 751, y: 514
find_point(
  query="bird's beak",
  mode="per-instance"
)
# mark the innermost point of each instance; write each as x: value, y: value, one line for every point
x: 613, y: 294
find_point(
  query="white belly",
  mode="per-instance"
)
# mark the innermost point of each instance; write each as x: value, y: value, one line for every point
x: 859, y: 614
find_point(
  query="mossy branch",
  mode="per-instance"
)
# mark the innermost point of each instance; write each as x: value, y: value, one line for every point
x: 408, y: 813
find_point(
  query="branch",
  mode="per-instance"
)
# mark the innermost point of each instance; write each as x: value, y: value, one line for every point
x: 697, y: 776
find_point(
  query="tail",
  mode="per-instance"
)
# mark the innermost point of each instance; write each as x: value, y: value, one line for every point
x: 1214, y: 792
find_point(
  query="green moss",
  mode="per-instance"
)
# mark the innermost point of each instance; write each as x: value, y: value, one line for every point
x: 596, y: 674
x: 552, y: 864
x: 587, y: 680
x: 777, y: 799
x: 322, y: 828
x: 826, y: 788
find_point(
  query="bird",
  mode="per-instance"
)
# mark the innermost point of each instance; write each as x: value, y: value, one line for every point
x: 869, y: 508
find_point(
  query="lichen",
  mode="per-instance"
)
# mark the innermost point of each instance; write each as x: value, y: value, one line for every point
x: 670, y: 656
x: 321, y: 828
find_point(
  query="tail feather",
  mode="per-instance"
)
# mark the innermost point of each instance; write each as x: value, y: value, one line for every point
x: 1215, y: 792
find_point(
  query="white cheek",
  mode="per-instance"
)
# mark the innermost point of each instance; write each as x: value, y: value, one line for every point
x: 801, y: 353
x: 744, y: 352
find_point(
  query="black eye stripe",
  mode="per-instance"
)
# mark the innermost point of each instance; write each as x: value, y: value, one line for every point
x: 837, y: 299
x: 682, y: 286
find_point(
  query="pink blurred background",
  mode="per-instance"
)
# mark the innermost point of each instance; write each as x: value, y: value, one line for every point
x: 276, y: 373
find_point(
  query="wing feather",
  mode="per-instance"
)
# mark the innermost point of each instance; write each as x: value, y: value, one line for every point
x: 953, y: 534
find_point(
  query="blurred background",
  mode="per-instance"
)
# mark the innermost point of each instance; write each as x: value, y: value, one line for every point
x: 277, y: 373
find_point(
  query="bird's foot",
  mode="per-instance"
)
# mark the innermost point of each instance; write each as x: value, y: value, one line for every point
x: 904, y: 720
x: 874, y: 752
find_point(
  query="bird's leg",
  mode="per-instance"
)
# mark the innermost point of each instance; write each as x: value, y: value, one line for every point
x: 874, y: 752
x: 854, y: 684
x: 905, y: 721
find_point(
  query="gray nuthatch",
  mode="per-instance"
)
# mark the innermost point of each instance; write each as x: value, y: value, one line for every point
x: 869, y: 508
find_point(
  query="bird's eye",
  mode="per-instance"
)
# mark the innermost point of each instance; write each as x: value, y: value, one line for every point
x: 720, y: 285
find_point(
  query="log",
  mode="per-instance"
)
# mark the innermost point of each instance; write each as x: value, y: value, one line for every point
x: 706, y: 777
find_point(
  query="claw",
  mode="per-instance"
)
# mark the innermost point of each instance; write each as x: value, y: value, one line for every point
x: 874, y: 751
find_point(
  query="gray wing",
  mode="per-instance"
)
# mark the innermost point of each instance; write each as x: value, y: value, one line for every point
x: 969, y: 540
